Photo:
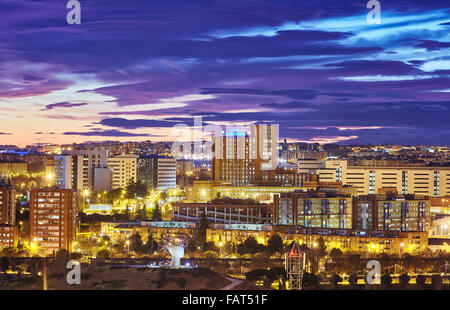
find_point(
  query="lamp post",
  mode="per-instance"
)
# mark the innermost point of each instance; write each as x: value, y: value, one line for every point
x: 128, y: 246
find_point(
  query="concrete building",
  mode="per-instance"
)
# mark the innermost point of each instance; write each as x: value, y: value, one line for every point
x: 103, y: 179
x: 9, y: 168
x: 391, y: 212
x: 124, y: 169
x: 53, y: 219
x: 9, y: 236
x: 427, y: 181
x: 313, y: 209
x: 241, y: 157
x: 228, y: 211
x: 347, y: 240
x: 78, y: 169
x: 309, y: 165
x: 204, y: 191
x: 7, y: 205
x: 157, y: 171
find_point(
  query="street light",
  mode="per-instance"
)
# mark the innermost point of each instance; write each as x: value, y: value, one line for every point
x: 128, y: 245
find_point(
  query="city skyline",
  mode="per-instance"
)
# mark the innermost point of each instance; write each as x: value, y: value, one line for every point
x: 133, y: 70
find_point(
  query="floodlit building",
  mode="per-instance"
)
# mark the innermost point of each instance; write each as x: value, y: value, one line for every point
x: 313, y: 209
x: 157, y: 171
x: 122, y: 231
x: 241, y: 157
x: 427, y: 181
x: 124, y: 169
x: 391, y: 212
x: 7, y: 204
x: 76, y: 169
x: 347, y: 240
x: 8, y: 168
x: 53, y: 215
x: 228, y: 211
x: 204, y: 191
x: 9, y: 236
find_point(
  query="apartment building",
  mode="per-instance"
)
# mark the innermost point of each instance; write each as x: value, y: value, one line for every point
x: 8, y: 168
x: 391, y: 212
x: 9, y: 236
x: 53, y: 219
x: 427, y: 181
x: 157, y: 171
x: 347, y: 240
x: 241, y: 157
x: 313, y: 209
x: 7, y: 204
x: 122, y: 231
x: 82, y: 169
x: 124, y: 170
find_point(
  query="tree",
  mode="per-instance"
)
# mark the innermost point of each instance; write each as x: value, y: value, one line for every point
x: 103, y: 254
x: 436, y: 282
x: 336, y: 279
x: 336, y: 254
x: 156, y: 216
x: 249, y: 246
x: 310, y: 280
x: 404, y: 279
x: 136, y: 244
x: 386, y: 280
x: 278, y: 274
x: 127, y: 212
x: 200, y: 234
x: 137, y: 189
x: 353, y: 279
x: 420, y: 280
x: 256, y: 275
x: 275, y: 244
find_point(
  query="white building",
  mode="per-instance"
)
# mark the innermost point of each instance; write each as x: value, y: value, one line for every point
x: 124, y: 170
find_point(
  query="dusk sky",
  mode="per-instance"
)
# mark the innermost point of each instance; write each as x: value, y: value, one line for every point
x: 135, y: 68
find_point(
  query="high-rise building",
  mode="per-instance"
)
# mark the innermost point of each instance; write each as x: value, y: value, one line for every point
x: 313, y: 209
x: 241, y: 157
x: 391, y: 212
x: 53, y: 219
x: 76, y: 169
x: 7, y: 205
x: 427, y: 181
x: 157, y: 171
x: 70, y: 172
x: 124, y: 169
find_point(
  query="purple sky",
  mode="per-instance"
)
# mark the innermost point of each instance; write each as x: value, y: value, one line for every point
x: 133, y: 69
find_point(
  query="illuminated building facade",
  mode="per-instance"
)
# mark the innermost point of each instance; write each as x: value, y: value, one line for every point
x: 228, y: 211
x: 204, y: 191
x: 9, y: 236
x: 122, y: 231
x: 8, y: 168
x: 124, y: 169
x: 7, y: 205
x: 313, y: 209
x: 241, y: 157
x: 157, y: 171
x: 427, y: 181
x: 53, y: 219
x: 347, y: 240
x: 391, y: 212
